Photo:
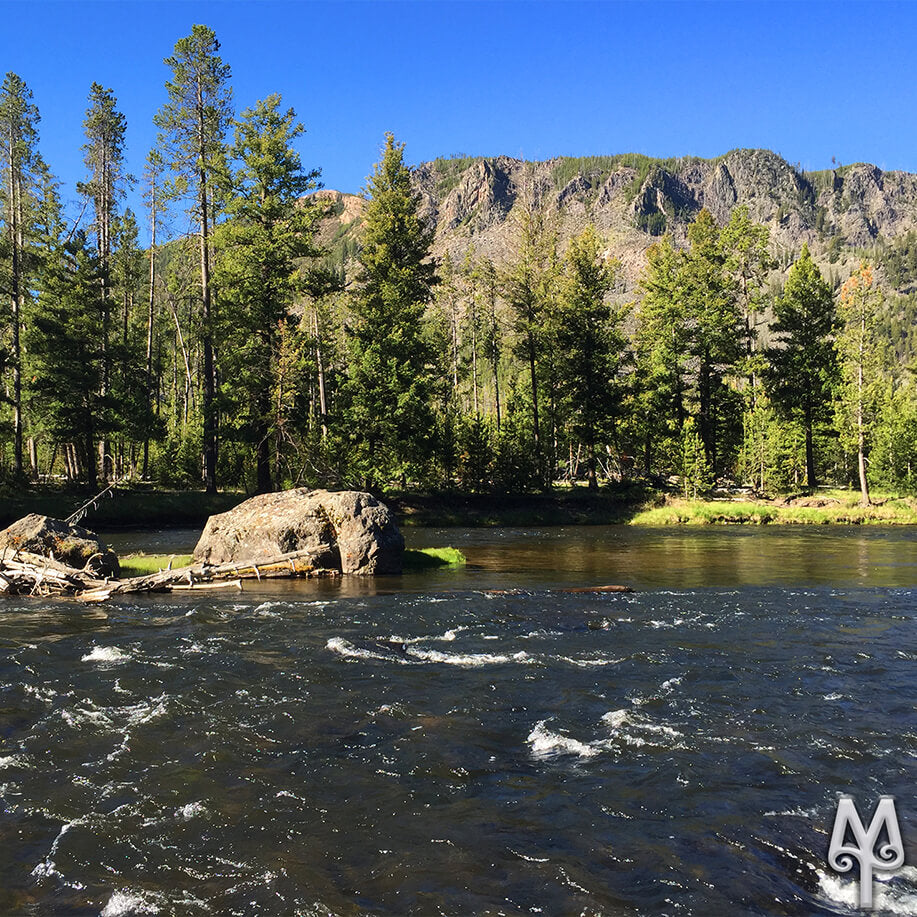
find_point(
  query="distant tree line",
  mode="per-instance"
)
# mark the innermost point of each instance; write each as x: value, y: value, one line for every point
x: 238, y: 355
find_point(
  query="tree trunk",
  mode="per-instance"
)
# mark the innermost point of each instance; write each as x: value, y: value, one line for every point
x: 322, y: 403
x: 15, y: 230
x: 455, y: 346
x: 91, y: 479
x: 590, y: 467
x: 495, y: 361
x: 474, y: 359
x: 103, y: 217
x: 810, y: 451
x: 534, y: 378
x: 704, y: 396
x: 861, y: 442
x: 149, y: 328
x: 209, y: 387
x: 264, y: 482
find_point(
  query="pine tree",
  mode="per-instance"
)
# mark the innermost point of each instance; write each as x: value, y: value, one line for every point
x: 711, y: 304
x: 662, y: 357
x: 126, y: 269
x: 589, y: 345
x: 894, y: 450
x: 695, y: 469
x: 66, y: 343
x: 133, y: 414
x: 859, y: 355
x: 803, y: 365
x: 22, y: 173
x: 153, y: 192
x: 748, y: 259
x: 268, y: 231
x: 391, y: 380
x: 447, y: 298
x: 528, y: 288
x: 492, y: 330
x: 103, y: 151
x: 192, y: 126
x: 472, y: 327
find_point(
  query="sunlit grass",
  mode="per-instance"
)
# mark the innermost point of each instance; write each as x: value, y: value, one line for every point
x: 427, y: 558
x: 422, y: 559
x: 143, y: 564
x: 841, y: 507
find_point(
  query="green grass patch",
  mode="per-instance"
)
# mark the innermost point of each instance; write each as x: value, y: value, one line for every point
x: 142, y: 564
x: 428, y: 558
x: 838, y: 507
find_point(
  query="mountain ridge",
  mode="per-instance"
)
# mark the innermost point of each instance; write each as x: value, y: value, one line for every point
x: 633, y: 199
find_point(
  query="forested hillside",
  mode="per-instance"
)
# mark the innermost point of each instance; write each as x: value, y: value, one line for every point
x: 486, y: 324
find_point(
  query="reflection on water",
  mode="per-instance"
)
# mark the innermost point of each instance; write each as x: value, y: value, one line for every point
x: 692, y: 558
x: 436, y: 743
x: 645, y: 558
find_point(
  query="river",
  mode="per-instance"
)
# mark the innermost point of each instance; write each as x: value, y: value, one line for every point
x: 472, y: 740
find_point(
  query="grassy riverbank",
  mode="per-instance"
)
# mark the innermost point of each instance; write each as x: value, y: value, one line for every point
x: 838, y: 507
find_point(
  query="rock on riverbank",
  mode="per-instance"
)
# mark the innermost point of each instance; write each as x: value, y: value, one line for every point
x: 346, y: 530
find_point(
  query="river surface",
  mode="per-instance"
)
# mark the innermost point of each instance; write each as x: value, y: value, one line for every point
x: 470, y: 741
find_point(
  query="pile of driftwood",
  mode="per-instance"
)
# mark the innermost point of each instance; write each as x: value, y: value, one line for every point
x: 22, y: 573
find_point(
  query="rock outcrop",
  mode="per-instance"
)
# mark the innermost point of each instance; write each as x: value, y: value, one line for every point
x: 69, y: 544
x: 631, y: 200
x: 346, y: 530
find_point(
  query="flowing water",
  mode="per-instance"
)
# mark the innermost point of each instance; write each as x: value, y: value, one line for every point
x: 474, y: 741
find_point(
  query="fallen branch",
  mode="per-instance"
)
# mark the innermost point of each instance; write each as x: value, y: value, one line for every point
x: 33, y: 574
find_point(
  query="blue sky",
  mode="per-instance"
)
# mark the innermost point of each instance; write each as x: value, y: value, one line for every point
x: 528, y: 79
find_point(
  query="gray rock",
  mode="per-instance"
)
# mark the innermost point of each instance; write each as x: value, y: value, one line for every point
x: 346, y: 530
x: 70, y: 544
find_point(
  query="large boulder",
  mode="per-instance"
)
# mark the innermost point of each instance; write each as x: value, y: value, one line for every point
x: 345, y: 530
x: 70, y: 544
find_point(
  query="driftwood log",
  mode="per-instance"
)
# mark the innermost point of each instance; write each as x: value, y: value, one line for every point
x: 24, y: 573
x: 32, y: 574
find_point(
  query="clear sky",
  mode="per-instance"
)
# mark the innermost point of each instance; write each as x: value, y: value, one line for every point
x: 811, y: 81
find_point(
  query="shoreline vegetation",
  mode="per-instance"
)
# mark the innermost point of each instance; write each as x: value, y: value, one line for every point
x: 633, y: 505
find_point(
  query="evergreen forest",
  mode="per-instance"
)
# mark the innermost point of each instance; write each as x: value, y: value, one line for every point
x: 244, y: 354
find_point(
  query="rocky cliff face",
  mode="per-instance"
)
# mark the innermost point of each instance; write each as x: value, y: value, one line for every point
x: 632, y: 199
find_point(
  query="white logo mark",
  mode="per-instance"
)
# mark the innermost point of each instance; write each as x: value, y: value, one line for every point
x: 864, y: 850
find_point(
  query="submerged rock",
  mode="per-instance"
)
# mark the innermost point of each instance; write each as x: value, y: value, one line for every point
x: 345, y: 530
x: 70, y: 544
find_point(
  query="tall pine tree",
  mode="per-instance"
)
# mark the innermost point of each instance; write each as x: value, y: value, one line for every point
x: 268, y: 231
x: 23, y: 175
x: 192, y: 126
x: 589, y: 344
x: 661, y: 345
x: 66, y: 345
x: 803, y: 364
x: 391, y: 369
x: 529, y: 289
x: 859, y: 355
x: 103, y: 152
